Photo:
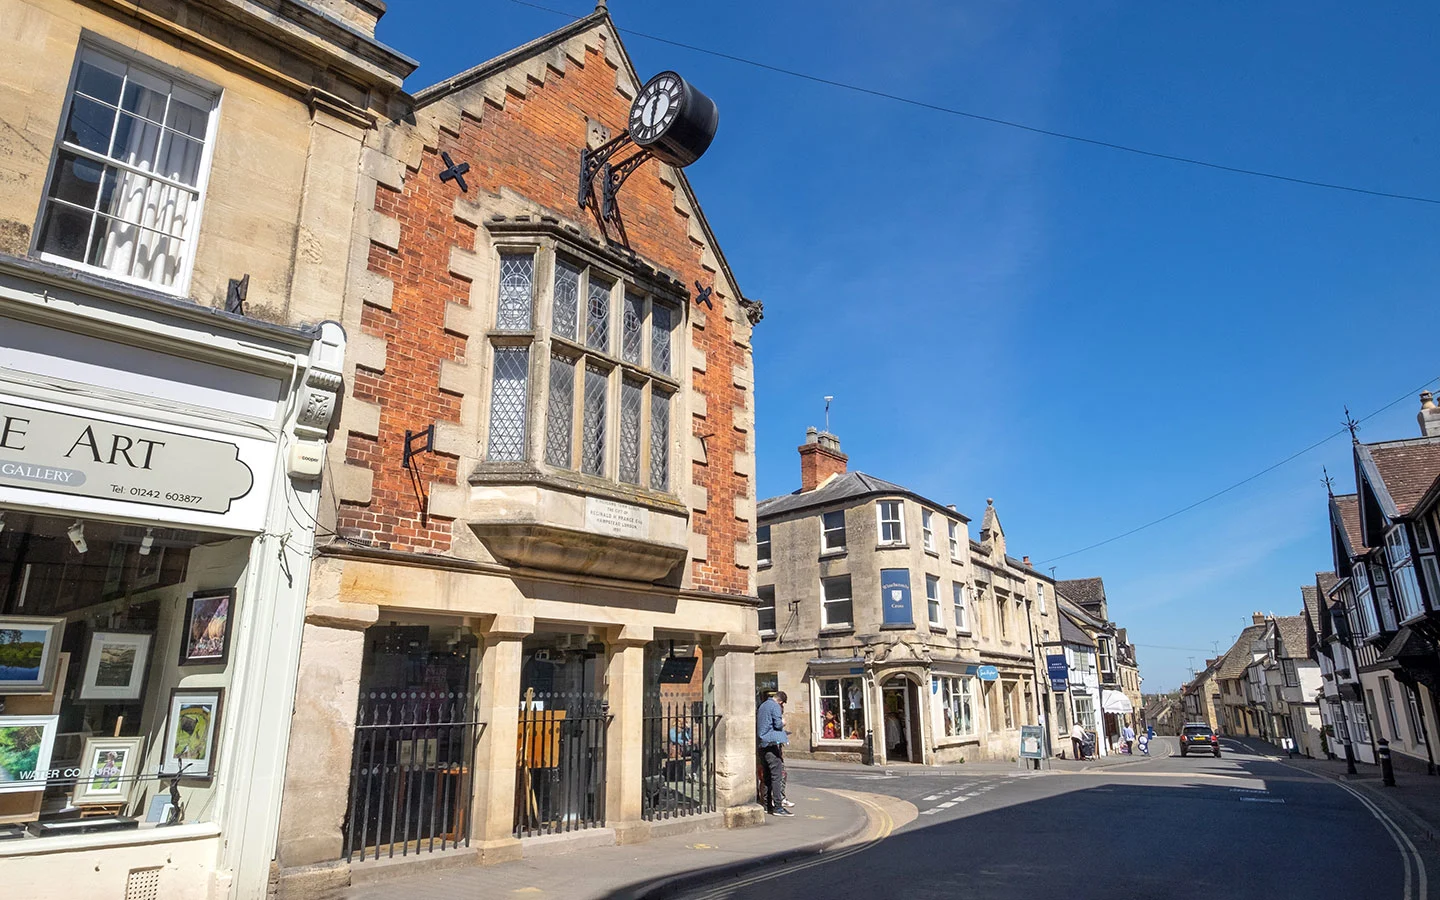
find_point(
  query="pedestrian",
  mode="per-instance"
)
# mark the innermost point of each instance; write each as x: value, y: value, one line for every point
x: 1128, y: 736
x: 1077, y: 738
x: 771, y: 737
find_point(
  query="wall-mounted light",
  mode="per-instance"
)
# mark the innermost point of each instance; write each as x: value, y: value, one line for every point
x: 77, y: 536
x: 147, y: 542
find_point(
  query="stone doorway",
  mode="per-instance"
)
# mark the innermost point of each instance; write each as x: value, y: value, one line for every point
x: 901, y: 721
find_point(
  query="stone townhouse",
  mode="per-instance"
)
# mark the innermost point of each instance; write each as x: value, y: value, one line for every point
x: 1342, y: 709
x: 178, y: 186
x: 1080, y: 703
x: 1116, y: 658
x: 1200, y: 697
x: 878, y: 614
x: 1237, y: 697
x: 535, y: 614
x: 1287, y: 684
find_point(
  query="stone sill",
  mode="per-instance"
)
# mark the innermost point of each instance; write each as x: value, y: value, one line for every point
x: 898, y: 626
x: 892, y: 546
x: 837, y: 631
x: 36, y: 846
x: 839, y: 553
x: 942, y: 743
x: 570, y: 482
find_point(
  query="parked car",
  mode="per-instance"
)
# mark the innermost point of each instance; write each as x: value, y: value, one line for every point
x: 1200, y: 738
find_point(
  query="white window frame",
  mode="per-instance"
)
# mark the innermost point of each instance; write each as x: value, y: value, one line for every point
x: 960, y: 601
x: 897, y: 522
x: 932, y: 603
x: 927, y: 529
x: 954, y: 531
x: 957, y: 697
x: 817, y: 715
x: 826, y: 532
x: 826, y: 601
x: 1402, y: 570
x: 766, y: 603
x: 763, y: 545
x: 152, y: 69
x: 1040, y: 595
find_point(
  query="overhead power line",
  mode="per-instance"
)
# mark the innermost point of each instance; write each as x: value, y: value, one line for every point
x: 1007, y: 123
x: 1242, y: 482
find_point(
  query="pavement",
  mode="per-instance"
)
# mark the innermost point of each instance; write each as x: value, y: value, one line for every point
x: 824, y: 820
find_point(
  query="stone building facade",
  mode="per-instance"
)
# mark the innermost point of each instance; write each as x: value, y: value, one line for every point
x: 877, y: 613
x: 565, y: 554
x: 178, y: 182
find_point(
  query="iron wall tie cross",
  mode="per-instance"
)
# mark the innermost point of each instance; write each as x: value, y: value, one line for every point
x: 457, y: 173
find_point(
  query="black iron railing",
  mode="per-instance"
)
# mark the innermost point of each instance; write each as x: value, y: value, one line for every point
x: 411, y: 779
x: 560, y: 763
x: 679, y: 745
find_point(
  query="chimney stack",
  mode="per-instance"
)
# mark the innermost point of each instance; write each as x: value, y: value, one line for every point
x: 820, y: 458
x: 1257, y: 618
x: 1026, y: 561
x: 1429, y: 417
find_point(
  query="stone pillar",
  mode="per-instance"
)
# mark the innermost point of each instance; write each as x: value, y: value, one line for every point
x: 733, y: 671
x: 310, y: 842
x: 624, y: 763
x: 492, y: 813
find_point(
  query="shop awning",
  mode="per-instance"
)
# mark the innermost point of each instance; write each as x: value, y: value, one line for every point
x: 1116, y: 702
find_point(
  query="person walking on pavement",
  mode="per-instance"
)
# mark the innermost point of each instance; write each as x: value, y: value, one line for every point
x: 771, y: 737
x: 1077, y: 738
x: 1128, y: 735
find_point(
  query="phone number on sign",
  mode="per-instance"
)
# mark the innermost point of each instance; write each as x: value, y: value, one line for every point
x: 153, y: 494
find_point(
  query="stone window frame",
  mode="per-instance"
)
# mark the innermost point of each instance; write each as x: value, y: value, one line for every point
x: 94, y: 49
x: 548, y: 243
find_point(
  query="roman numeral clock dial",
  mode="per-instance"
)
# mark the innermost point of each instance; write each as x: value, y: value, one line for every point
x: 656, y: 108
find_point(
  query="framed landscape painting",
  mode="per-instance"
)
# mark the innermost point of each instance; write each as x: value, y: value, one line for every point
x: 191, y: 730
x: 26, y: 743
x: 205, y: 640
x: 29, y: 653
x: 115, y: 665
x: 107, y: 770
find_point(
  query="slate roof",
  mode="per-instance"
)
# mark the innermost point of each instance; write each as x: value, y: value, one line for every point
x: 1312, y: 605
x: 1071, y: 633
x: 1084, y: 591
x: 1237, y: 658
x: 1294, y: 641
x: 1070, y: 607
x: 849, y: 486
x: 1406, y: 470
x: 1348, y: 505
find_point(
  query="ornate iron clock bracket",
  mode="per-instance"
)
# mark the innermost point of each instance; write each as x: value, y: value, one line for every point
x: 614, y: 178
x: 593, y: 162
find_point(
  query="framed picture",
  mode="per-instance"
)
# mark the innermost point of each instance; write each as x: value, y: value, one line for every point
x: 115, y: 569
x: 107, y: 770
x: 189, y: 740
x: 160, y: 807
x: 147, y: 568
x: 26, y: 743
x: 115, y: 665
x: 29, y: 652
x: 205, y: 640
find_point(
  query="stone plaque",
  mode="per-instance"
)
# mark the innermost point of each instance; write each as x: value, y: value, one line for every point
x: 49, y: 451
x: 619, y: 519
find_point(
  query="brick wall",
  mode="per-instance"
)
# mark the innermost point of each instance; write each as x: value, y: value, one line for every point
x: 521, y: 130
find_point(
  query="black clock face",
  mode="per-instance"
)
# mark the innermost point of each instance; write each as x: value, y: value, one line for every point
x: 657, y: 107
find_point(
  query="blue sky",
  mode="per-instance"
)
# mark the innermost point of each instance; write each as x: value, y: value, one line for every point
x: 1092, y: 338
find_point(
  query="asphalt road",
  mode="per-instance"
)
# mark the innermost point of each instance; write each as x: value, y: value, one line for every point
x: 1233, y: 828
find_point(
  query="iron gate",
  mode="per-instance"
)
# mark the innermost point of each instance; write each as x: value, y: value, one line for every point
x: 410, y: 774
x: 678, y: 745
x: 560, y: 763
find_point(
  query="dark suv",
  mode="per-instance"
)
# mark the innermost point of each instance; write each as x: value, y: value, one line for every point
x: 1200, y: 738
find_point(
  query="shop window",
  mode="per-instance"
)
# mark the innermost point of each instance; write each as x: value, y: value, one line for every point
x: 957, y: 697
x: 766, y: 593
x: 832, y: 531
x: 102, y: 626
x: 129, y: 174
x: 1085, y: 712
x: 835, y: 606
x: 840, y: 710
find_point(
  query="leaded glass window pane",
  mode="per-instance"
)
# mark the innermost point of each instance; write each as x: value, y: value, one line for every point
x: 517, y: 288
x: 632, y: 337
x: 660, y: 318
x: 631, y: 395
x: 597, y: 320
x: 566, y: 314
x: 508, y: 403
x: 560, y: 415
x: 659, y: 440
x: 592, y: 450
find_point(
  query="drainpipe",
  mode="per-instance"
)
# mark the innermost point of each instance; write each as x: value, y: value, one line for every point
x: 1044, y: 762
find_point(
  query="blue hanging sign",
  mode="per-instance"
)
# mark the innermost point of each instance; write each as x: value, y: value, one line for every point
x: 1059, y: 671
x: 987, y: 673
x: 895, y: 597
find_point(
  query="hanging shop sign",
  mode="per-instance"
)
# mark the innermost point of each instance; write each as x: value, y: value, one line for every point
x: 50, y: 451
x: 895, y: 596
x: 987, y: 673
x: 1059, y: 671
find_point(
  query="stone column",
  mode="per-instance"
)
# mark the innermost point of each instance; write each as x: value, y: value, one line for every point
x: 322, y: 733
x: 492, y: 812
x: 733, y: 671
x: 624, y: 763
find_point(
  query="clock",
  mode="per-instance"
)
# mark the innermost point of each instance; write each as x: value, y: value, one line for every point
x: 673, y: 120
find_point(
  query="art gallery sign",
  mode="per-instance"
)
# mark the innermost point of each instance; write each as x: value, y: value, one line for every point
x: 52, y: 451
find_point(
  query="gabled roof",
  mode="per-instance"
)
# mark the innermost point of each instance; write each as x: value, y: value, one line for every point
x: 1345, y: 514
x: 1072, y: 633
x: 1238, y: 658
x: 1311, y: 596
x: 1400, y: 472
x: 1294, y: 640
x: 1088, y: 592
x: 840, y: 489
x: 1078, y: 612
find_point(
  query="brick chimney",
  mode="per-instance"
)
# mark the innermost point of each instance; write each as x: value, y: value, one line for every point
x: 820, y: 457
x: 1429, y: 417
x: 1257, y: 618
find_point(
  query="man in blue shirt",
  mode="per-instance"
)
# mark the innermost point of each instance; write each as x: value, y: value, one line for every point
x: 771, y: 737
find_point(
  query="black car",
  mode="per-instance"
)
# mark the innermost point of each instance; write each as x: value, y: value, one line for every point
x: 1199, y: 738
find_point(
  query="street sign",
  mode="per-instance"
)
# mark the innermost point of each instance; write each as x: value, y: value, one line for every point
x: 987, y: 673
x: 1059, y: 672
x: 1032, y: 742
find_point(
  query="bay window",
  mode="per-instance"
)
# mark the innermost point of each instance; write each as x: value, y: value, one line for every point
x: 1402, y: 570
x: 840, y: 710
